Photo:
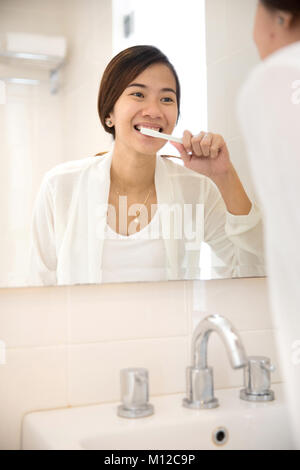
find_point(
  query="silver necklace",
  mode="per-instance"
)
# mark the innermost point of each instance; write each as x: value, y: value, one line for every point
x: 136, y: 220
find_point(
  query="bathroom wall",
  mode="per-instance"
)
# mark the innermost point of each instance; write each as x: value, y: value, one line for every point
x: 65, y: 346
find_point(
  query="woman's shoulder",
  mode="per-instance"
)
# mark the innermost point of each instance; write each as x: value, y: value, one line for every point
x: 285, y: 56
x: 277, y: 70
x: 72, y: 168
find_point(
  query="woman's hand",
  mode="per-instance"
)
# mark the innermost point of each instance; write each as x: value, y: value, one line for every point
x: 205, y: 153
x: 208, y: 154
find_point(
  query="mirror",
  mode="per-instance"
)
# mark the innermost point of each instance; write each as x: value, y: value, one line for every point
x: 59, y: 166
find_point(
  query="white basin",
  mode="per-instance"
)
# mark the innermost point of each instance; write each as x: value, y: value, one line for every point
x: 172, y: 427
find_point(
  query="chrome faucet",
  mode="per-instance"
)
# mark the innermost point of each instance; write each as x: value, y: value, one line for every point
x: 200, y: 387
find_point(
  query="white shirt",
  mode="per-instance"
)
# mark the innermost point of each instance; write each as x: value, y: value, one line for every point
x: 269, y: 112
x: 68, y: 229
x: 133, y: 257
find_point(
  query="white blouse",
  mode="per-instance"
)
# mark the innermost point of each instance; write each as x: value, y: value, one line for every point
x: 269, y: 112
x: 69, y: 220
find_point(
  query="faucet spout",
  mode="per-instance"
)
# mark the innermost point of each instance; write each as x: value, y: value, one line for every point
x: 229, y: 335
x: 200, y: 384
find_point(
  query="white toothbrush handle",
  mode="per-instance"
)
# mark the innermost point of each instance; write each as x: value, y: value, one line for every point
x: 160, y: 135
x: 170, y: 137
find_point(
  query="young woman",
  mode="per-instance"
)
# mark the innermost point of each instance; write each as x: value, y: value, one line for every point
x: 269, y: 110
x: 133, y: 215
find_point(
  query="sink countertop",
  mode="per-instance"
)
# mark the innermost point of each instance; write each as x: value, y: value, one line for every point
x: 249, y: 425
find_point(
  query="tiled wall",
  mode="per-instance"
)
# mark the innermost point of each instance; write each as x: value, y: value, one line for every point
x: 65, y: 346
x: 31, y: 142
x: 42, y: 130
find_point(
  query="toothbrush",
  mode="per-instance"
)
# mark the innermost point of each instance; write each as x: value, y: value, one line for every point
x: 159, y: 135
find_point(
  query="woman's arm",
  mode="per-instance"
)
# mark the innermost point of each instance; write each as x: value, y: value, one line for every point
x: 233, y: 192
x: 232, y: 225
x: 43, y: 261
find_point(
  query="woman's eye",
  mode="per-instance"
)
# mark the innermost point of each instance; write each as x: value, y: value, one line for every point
x: 137, y: 94
x: 167, y: 100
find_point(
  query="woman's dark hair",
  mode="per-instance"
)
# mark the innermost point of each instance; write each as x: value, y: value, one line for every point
x: 122, y: 70
x: 292, y: 6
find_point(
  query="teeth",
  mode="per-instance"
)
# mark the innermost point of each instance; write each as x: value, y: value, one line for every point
x: 148, y: 127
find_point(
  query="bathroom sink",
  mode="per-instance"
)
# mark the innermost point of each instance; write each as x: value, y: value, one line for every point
x: 235, y: 424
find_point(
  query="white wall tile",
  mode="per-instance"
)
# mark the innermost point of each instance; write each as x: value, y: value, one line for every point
x: 244, y: 302
x: 97, y: 313
x: 94, y: 370
x: 33, y: 316
x: 32, y: 379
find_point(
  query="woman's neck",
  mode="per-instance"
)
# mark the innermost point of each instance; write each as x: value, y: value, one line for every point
x: 132, y: 173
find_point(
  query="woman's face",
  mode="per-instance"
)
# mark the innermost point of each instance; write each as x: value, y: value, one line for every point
x: 149, y: 101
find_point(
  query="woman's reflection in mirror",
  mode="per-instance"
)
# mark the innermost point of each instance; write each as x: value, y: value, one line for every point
x: 94, y: 218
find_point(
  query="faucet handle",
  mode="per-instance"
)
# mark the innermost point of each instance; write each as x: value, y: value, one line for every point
x: 134, y: 393
x: 257, y: 379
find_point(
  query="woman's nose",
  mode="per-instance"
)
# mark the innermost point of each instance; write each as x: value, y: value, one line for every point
x: 152, y: 109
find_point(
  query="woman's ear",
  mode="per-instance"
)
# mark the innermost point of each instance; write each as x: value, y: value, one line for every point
x: 285, y: 19
x: 109, y: 121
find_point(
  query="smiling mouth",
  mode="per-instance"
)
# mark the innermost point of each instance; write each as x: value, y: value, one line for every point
x: 158, y: 129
